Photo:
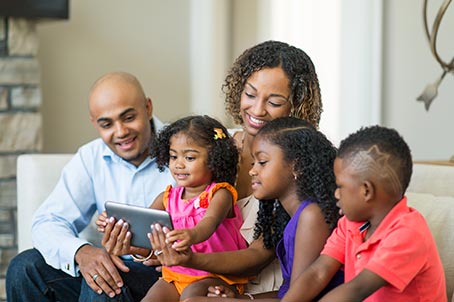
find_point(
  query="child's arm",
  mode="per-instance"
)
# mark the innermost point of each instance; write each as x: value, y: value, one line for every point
x: 158, y: 203
x: 313, y: 280
x: 219, y: 208
x: 359, y: 288
x: 101, y: 222
x: 312, y: 233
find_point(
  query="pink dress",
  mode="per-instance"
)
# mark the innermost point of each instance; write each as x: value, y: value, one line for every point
x: 187, y: 213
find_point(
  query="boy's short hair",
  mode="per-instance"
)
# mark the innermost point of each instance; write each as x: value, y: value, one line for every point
x: 381, y: 153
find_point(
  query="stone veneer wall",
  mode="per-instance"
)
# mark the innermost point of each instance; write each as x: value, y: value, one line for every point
x: 20, y: 122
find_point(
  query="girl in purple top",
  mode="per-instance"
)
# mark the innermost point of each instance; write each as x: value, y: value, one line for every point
x: 292, y: 176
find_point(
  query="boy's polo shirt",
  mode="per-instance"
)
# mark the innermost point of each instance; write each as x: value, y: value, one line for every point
x: 402, y: 251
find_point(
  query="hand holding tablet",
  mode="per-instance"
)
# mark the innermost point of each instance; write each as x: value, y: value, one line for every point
x: 139, y: 220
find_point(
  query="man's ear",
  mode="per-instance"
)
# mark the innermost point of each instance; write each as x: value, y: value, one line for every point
x: 368, y: 190
x: 149, y: 106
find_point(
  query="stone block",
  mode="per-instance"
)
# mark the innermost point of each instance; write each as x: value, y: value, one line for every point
x: 8, y: 166
x: 5, y: 216
x: 3, y: 48
x: 6, y: 256
x: 3, y: 98
x: 8, y: 195
x: 25, y: 97
x: 2, y: 290
x: 23, y: 38
x: 2, y: 29
x: 19, y: 71
x: 6, y: 240
x: 20, y: 132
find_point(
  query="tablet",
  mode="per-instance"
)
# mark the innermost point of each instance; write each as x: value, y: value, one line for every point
x: 139, y: 220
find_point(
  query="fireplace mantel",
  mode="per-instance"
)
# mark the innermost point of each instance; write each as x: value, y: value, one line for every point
x: 56, y: 9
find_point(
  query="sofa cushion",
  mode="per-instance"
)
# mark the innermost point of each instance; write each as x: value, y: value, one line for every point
x: 439, y: 214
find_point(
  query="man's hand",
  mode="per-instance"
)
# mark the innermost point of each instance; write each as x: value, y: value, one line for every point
x: 100, y: 270
x: 117, y: 238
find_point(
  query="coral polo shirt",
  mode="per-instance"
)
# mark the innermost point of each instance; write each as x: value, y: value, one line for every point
x: 402, y: 251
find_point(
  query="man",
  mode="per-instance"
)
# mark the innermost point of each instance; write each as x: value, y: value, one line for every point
x: 117, y: 167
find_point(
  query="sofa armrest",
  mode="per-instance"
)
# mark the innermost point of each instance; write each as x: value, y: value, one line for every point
x: 37, y: 175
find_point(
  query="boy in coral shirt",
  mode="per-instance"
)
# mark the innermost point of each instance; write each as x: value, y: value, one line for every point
x: 386, y: 248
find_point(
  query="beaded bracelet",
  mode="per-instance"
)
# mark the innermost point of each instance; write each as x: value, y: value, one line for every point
x: 141, y: 258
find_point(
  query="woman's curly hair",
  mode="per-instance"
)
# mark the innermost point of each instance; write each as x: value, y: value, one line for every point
x: 203, y: 131
x: 296, y: 64
x: 312, y: 155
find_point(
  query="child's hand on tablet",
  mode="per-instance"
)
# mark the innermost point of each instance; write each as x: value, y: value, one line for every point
x: 182, y: 239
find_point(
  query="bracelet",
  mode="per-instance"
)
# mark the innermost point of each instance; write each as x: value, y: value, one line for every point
x: 141, y: 258
x: 249, y: 295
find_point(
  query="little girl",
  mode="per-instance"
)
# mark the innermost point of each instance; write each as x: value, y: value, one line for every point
x: 292, y: 176
x: 203, y: 160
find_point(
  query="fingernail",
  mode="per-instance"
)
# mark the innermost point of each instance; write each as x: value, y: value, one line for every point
x: 158, y: 227
x: 99, y: 291
x: 112, y: 295
x: 120, y: 221
x: 111, y: 219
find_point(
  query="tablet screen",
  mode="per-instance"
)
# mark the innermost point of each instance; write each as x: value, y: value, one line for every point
x: 139, y: 220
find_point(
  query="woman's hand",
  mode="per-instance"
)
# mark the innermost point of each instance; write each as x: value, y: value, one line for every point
x: 166, y: 255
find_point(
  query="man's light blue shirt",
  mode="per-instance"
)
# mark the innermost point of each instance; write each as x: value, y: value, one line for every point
x: 94, y: 175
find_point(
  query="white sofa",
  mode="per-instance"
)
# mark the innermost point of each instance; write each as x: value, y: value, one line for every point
x: 37, y: 175
x: 431, y: 191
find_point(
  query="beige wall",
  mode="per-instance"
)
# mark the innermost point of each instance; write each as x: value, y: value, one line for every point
x: 151, y: 38
x: 148, y: 38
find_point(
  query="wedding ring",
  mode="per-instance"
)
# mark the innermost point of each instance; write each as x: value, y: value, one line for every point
x: 95, y: 276
x: 157, y: 253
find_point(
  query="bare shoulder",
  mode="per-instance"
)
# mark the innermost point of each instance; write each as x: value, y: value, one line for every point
x: 311, y: 212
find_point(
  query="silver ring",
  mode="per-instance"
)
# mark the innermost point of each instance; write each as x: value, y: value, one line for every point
x: 95, y: 276
x: 158, y: 252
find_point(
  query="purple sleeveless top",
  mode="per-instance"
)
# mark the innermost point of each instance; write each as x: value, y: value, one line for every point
x: 285, y: 251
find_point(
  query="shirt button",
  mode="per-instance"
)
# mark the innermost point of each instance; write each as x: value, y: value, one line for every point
x: 358, y: 256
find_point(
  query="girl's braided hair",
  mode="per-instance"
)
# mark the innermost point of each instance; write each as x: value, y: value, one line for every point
x: 312, y: 155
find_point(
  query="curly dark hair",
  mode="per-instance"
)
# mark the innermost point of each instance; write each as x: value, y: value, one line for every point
x: 222, y: 152
x: 296, y: 64
x: 389, y: 142
x: 313, y: 157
